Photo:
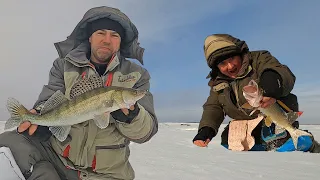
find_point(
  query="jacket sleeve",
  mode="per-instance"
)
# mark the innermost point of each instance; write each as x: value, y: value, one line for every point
x: 265, y: 61
x: 145, y: 125
x: 56, y: 82
x: 213, y: 114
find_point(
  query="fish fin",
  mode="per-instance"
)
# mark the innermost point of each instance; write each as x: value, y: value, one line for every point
x: 16, y: 110
x: 102, y: 121
x: 246, y: 106
x: 284, y: 106
x: 85, y: 85
x: 268, y: 121
x: 54, y: 101
x: 295, y: 134
x: 60, y: 132
x: 300, y: 113
x: 12, y: 122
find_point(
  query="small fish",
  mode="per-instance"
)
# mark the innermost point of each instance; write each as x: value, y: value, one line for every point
x: 274, y: 113
x: 89, y: 100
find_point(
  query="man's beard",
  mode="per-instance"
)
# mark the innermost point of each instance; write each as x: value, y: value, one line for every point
x: 103, y: 58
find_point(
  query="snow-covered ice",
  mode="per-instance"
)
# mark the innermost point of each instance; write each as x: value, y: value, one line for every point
x: 170, y: 155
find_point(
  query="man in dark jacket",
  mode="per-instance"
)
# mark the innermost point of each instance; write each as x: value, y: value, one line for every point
x: 232, y: 67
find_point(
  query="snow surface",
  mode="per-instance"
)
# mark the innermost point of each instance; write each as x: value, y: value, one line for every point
x: 9, y: 166
x: 170, y: 155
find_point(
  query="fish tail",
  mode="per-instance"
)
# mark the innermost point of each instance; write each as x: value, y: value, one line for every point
x: 16, y: 111
x: 295, y: 134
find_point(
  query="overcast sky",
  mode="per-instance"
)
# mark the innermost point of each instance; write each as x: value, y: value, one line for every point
x: 172, y: 32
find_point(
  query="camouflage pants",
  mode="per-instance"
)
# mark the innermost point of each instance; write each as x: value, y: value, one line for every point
x: 36, y: 159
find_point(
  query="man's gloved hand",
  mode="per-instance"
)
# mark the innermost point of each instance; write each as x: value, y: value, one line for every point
x: 126, y: 115
x: 271, y: 83
x: 41, y: 133
x: 204, y: 136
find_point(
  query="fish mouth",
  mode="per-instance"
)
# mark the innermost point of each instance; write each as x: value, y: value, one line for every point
x: 134, y: 97
x: 141, y: 92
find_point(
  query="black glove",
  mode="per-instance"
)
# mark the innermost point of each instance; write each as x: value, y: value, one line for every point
x: 41, y: 134
x: 205, y: 133
x: 271, y: 83
x: 118, y: 115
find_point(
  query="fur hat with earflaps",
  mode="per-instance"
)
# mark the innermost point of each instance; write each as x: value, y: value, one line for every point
x: 218, y: 47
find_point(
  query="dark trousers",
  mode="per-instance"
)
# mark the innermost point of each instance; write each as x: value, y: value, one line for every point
x: 36, y: 159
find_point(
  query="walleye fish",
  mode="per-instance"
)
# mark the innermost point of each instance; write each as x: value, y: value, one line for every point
x: 274, y: 113
x: 89, y: 100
